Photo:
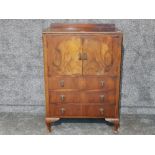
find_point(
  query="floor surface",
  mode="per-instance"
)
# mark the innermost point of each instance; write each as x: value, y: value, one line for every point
x: 24, y: 124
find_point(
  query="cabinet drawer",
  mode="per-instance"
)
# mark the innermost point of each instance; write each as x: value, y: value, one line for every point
x: 82, y: 82
x: 65, y: 110
x: 98, y: 97
x: 99, y: 111
x: 64, y: 82
x: 64, y: 97
x: 105, y: 83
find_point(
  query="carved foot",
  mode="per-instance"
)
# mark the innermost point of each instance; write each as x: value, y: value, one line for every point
x: 49, y: 122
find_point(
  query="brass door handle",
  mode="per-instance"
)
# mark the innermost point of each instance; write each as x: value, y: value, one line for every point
x: 62, y: 110
x: 84, y: 56
x: 102, y: 83
x: 62, y: 83
x: 80, y: 56
x: 62, y: 97
x: 101, y: 111
x: 101, y: 98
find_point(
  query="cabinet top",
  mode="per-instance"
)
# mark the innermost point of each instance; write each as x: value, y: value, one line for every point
x: 81, y: 28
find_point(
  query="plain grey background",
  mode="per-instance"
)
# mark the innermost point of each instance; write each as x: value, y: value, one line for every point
x: 21, y: 65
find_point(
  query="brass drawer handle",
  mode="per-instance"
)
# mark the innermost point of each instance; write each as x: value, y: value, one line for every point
x: 102, y: 83
x: 101, y: 111
x: 62, y: 97
x: 102, y: 98
x: 62, y: 83
x: 62, y: 110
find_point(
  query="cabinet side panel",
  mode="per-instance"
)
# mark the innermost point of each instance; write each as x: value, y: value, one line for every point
x: 46, y: 74
x: 118, y: 49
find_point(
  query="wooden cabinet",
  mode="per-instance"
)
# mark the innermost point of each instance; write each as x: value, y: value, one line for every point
x: 82, y: 64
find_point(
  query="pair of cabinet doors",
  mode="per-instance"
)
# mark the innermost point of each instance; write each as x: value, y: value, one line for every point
x: 82, y: 54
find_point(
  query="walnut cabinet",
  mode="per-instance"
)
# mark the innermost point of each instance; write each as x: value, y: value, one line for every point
x: 82, y: 65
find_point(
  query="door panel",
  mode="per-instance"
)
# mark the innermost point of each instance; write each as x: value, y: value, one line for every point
x: 83, y: 55
x: 63, y: 55
x: 100, y: 55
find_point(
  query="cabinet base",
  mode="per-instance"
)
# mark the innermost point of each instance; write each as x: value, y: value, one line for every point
x: 115, y: 122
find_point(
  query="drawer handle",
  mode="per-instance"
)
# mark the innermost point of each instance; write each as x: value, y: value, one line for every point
x: 102, y: 83
x: 62, y: 110
x: 62, y: 97
x: 101, y: 111
x: 62, y: 83
x: 101, y: 98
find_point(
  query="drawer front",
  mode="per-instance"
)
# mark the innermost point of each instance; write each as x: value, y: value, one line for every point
x: 105, y: 83
x: 98, y: 97
x: 82, y: 82
x: 70, y: 110
x: 64, y: 97
x: 64, y: 83
x: 65, y: 110
x: 99, y: 111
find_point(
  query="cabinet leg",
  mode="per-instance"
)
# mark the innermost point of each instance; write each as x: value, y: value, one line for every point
x: 49, y: 122
x: 116, y: 124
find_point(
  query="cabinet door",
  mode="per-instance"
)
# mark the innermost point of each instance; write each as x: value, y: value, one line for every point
x: 64, y: 54
x: 100, y: 55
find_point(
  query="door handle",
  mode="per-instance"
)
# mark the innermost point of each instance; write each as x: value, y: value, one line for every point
x: 80, y: 56
x: 84, y: 56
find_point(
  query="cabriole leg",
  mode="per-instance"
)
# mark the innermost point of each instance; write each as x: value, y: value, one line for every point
x: 49, y: 122
x: 116, y: 124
